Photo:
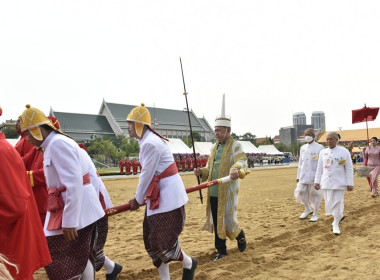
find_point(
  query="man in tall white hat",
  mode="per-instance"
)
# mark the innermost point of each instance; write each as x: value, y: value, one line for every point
x: 227, y: 158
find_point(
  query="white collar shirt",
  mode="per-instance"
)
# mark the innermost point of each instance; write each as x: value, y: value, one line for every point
x: 155, y: 157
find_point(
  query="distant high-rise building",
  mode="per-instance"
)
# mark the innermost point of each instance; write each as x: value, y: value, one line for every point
x: 299, y: 118
x: 318, y: 120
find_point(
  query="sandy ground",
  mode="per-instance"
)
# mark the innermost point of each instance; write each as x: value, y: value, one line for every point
x: 280, y: 245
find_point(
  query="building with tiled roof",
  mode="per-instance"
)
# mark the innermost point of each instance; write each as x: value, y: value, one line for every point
x: 167, y: 122
x: 359, y: 136
x: 83, y: 127
x: 111, y: 121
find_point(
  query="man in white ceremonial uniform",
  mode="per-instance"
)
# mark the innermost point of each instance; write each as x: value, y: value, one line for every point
x: 307, y: 166
x: 73, y: 205
x: 112, y: 268
x: 165, y: 194
x: 334, y: 175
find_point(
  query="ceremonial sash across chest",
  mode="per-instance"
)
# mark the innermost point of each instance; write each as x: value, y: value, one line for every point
x: 55, y: 204
x: 153, y: 193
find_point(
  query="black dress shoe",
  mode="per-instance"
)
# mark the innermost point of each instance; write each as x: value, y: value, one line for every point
x: 219, y: 256
x: 116, y: 270
x: 188, y: 274
x: 241, y: 242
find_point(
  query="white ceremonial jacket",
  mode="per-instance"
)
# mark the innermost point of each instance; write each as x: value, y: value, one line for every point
x: 64, y: 166
x: 335, y: 170
x: 308, y: 162
x: 155, y: 156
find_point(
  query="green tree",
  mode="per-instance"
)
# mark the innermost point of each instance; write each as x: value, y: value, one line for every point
x: 196, y: 136
x: 248, y: 137
x: 282, y: 147
x: 234, y: 136
x: 131, y: 147
x: 10, y: 133
x: 105, y: 151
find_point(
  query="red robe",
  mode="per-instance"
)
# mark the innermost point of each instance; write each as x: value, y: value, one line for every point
x: 188, y: 163
x: 121, y: 166
x: 127, y: 165
x: 135, y: 165
x: 183, y: 164
x: 23, y: 146
x: 34, y: 165
x: 22, y: 239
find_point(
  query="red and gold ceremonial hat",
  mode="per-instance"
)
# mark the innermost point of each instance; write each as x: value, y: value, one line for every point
x: 31, y: 119
x: 140, y: 116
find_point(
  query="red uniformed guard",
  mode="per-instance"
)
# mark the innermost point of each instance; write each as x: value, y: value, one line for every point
x: 188, y: 163
x: 134, y: 166
x: 121, y: 166
x: 22, y: 239
x: 127, y: 165
x: 183, y: 163
x: 22, y: 146
x: 177, y: 162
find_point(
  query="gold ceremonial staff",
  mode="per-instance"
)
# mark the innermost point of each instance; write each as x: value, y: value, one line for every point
x: 124, y: 207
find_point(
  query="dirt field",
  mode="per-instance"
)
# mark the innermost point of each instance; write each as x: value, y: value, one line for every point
x: 280, y: 245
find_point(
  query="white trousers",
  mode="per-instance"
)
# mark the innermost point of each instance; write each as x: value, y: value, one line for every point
x: 305, y: 193
x: 334, y: 203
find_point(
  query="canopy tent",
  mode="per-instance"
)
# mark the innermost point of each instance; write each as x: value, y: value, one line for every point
x: 177, y: 146
x: 203, y: 148
x: 270, y: 150
x: 357, y: 150
x: 13, y: 142
x: 249, y: 148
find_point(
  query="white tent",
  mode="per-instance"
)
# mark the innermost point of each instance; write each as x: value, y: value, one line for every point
x: 249, y: 148
x: 13, y: 142
x: 203, y: 148
x: 270, y: 150
x: 177, y: 146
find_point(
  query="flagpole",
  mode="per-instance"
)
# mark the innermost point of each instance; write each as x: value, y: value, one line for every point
x: 191, y: 131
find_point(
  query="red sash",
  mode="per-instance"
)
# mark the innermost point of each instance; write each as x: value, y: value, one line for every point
x: 153, y: 193
x: 55, y: 204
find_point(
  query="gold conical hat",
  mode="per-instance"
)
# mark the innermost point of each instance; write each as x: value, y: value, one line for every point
x: 31, y: 119
x: 140, y: 116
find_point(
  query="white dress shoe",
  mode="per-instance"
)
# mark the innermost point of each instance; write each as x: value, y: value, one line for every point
x: 314, y: 218
x: 336, y: 230
x: 305, y: 214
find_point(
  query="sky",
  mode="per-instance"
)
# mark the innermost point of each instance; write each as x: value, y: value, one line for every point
x: 271, y: 59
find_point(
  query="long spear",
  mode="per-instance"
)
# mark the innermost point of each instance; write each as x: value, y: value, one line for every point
x: 191, y: 131
x: 125, y: 207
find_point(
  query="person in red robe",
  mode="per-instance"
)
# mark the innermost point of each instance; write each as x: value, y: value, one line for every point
x: 22, y: 239
x: 121, y: 166
x: 183, y: 163
x: 33, y: 161
x: 134, y: 166
x: 188, y: 163
x: 177, y: 162
x: 127, y: 165
x: 22, y: 146
x: 139, y: 166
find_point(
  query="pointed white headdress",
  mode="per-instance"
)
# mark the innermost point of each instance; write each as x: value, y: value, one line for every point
x: 223, y: 120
